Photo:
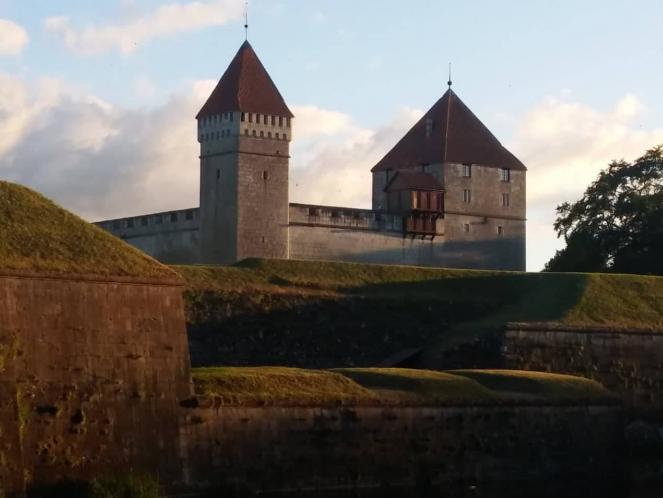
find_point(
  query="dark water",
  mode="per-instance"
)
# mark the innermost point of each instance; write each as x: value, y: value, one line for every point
x: 639, y: 480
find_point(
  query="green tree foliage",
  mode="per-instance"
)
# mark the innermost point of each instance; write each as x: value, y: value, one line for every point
x: 617, y: 226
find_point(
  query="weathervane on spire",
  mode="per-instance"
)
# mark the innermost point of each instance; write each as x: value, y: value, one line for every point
x: 449, y: 82
x: 246, y: 20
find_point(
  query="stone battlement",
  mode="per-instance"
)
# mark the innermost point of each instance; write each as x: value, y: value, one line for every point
x: 344, y: 217
x: 163, y: 222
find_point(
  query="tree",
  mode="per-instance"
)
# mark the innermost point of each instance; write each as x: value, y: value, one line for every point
x: 617, y: 226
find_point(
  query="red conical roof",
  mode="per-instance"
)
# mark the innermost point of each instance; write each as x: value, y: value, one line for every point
x: 246, y: 87
x: 449, y: 132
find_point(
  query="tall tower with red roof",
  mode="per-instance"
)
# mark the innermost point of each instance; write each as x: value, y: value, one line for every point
x: 483, y: 199
x: 244, y: 131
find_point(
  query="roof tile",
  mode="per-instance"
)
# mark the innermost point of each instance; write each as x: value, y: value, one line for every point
x: 449, y: 132
x: 246, y: 87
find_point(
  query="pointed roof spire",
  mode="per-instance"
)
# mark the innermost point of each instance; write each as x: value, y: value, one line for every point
x: 449, y: 81
x: 448, y: 132
x: 246, y: 21
x: 246, y: 87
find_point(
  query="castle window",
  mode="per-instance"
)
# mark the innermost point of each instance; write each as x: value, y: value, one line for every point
x: 189, y: 214
x: 265, y: 175
x: 263, y: 239
x: 250, y: 118
x: 158, y: 219
x: 467, y: 170
x: 287, y: 122
x: 130, y: 223
x: 257, y: 118
x: 243, y: 117
x: 173, y: 217
x: 429, y: 127
x: 278, y: 136
x: 500, y: 231
x: 246, y: 132
x: 505, y: 174
x: 217, y: 134
x: 313, y: 211
x: 262, y: 134
x: 255, y: 133
x: 232, y: 116
x: 264, y: 119
x: 269, y: 134
x: 280, y: 121
x: 273, y: 120
x: 466, y: 228
x: 285, y: 137
x: 143, y: 220
x: 467, y: 196
x: 227, y: 133
x: 218, y: 174
x: 505, y: 200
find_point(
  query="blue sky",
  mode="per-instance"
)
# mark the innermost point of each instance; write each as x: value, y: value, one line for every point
x: 565, y: 85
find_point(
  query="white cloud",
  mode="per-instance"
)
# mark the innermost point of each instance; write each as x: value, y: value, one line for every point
x: 144, y: 87
x: 98, y: 160
x: 164, y: 21
x: 13, y: 38
x: 331, y: 163
x: 565, y: 144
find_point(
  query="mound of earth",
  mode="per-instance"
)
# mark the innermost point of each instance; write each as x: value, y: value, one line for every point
x: 36, y: 235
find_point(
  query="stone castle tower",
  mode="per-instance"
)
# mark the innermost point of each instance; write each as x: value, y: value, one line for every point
x: 244, y: 130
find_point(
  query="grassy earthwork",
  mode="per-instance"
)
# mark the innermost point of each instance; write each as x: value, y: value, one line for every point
x: 39, y: 236
x: 391, y: 386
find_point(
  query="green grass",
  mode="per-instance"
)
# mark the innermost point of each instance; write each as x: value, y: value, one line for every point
x: 572, y: 298
x: 277, y: 385
x: 470, y: 303
x: 391, y: 386
x: 37, y: 235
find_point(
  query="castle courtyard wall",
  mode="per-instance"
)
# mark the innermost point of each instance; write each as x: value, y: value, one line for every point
x: 364, y: 236
x: 171, y: 237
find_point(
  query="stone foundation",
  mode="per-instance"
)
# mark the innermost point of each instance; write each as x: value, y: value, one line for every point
x: 280, y: 449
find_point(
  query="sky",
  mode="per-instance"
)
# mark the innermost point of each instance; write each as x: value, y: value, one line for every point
x: 97, y: 99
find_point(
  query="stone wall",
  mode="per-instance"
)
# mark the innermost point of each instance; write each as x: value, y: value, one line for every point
x: 290, y: 448
x: 172, y: 237
x: 355, y: 244
x: 92, y: 375
x: 628, y: 362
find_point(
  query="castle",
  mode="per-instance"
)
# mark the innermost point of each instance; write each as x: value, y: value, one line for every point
x: 447, y: 194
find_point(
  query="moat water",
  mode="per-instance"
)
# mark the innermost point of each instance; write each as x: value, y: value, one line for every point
x: 640, y: 480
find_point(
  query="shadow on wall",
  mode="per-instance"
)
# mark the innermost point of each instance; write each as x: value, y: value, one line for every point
x: 506, y: 253
x: 458, y: 320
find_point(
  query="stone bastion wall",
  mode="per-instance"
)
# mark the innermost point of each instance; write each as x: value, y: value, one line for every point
x: 628, y: 362
x: 91, y: 373
x: 280, y: 449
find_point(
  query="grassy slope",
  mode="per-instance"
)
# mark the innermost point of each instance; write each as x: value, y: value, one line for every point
x: 38, y: 235
x: 274, y: 386
x: 572, y: 298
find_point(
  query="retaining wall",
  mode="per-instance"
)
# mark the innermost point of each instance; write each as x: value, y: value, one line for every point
x: 298, y: 448
x: 93, y: 373
x: 629, y: 362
